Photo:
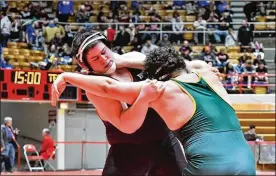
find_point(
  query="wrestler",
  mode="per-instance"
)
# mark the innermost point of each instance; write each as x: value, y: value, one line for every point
x: 147, y: 151
x: 194, y: 105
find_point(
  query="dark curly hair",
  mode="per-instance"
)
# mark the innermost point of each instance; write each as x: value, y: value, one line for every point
x: 77, y: 41
x: 162, y: 62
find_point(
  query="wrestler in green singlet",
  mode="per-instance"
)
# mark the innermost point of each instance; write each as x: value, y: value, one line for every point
x: 211, y: 133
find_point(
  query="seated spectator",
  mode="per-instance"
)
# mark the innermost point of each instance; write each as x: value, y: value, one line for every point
x: 136, y: 44
x: 209, y: 57
x: 239, y: 68
x: 69, y: 36
x: 124, y: 15
x: 178, y: 27
x: 258, y: 49
x: 178, y: 5
x: 39, y: 41
x: 110, y: 18
x: 82, y: 15
x: 100, y: 15
x: 200, y: 25
x: 251, y: 135
x: 223, y: 28
x: 148, y: 47
x: 261, y: 73
x: 222, y: 57
x: 245, y: 34
x: 131, y: 30
x: 213, y: 48
x: 165, y: 42
x: 47, y: 147
x: 244, y: 58
x: 26, y: 14
x: 57, y: 40
x: 6, y: 63
x: 186, y: 54
x: 258, y: 60
x: 60, y: 27
x: 250, y: 10
x: 65, y: 9
x: 89, y: 8
x: 231, y: 38
x: 249, y: 73
x: 6, y: 27
x: 167, y: 27
x: 122, y: 38
x: 190, y: 7
x: 50, y: 31
x: 231, y: 76
x: 15, y: 29
x: 186, y: 48
x: 213, y: 18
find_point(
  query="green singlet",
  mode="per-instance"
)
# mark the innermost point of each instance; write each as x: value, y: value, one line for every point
x: 212, y: 139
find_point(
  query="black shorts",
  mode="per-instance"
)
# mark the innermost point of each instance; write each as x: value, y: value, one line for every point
x: 157, y: 158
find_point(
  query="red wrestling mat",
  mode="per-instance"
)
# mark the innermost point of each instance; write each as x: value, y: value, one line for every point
x: 88, y: 172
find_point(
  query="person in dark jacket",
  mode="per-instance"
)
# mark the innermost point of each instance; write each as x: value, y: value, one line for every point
x: 245, y: 35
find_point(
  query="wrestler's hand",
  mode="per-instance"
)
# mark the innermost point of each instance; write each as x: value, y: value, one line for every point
x: 151, y: 90
x: 57, y: 88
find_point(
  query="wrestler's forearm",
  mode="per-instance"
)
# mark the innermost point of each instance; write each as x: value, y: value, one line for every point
x: 105, y: 87
x: 133, y: 118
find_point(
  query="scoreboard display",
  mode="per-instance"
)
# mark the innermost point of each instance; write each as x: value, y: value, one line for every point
x: 34, y: 85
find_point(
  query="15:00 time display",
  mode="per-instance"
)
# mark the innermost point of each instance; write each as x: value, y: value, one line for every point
x: 22, y: 77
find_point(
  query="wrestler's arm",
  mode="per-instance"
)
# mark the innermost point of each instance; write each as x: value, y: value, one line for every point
x: 130, y: 60
x: 127, y: 120
x: 136, y: 60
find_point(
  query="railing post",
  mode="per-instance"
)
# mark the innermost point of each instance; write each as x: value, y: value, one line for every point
x: 82, y: 156
x: 18, y: 157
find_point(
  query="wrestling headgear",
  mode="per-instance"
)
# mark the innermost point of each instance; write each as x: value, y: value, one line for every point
x: 90, y: 39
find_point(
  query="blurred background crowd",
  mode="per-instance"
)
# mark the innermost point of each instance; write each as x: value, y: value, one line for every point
x: 39, y: 34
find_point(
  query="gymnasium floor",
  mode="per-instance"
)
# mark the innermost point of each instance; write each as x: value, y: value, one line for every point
x: 90, y: 172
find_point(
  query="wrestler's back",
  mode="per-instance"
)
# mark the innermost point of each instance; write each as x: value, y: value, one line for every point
x: 212, y: 138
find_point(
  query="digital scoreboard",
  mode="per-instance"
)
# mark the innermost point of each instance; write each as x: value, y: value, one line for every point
x: 34, y: 85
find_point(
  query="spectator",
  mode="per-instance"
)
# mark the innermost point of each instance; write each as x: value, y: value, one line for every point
x: 190, y: 7
x: 222, y: 57
x: 251, y: 135
x: 6, y: 63
x: 122, y: 38
x: 110, y: 18
x: 178, y: 27
x: 231, y: 76
x: 250, y: 10
x: 8, y: 136
x: 167, y: 27
x: 258, y: 60
x: 244, y: 58
x: 245, y: 35
x: 178, y: 5
x: 261, y: 73
x: 50, y: 31
x: 100, y: 15
x: 257, y: 49
x: 88, y: 8
x: 148, y: 47
x: 203, y: 3
x: 249, y: 72
x: 5, y: 29
x: 57, y: 40
x: 136, y: 44
x: 165, y: 42
x: 200, y: 25
x: 186, y: 54
x: 222, y: 30
x: 124, y: 15
x: 239, y: 68
x: 209, y: 57
x: 83, y: 15
x: 60, y: 27
x: 39, y: 41
x: 4, y: 158
x: 222, y: 6
x: 26, y: 14
x: 186, y: 48
x: 65, y: 9
x: 15, y: 30
x: 213, y: 48
x: 68, y: 38
x: 30, y: 33
x: 110, y: 34
x: 132, y: 31
x: 231, y: 38
x: 213, y: 18
x: 47, y: 147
